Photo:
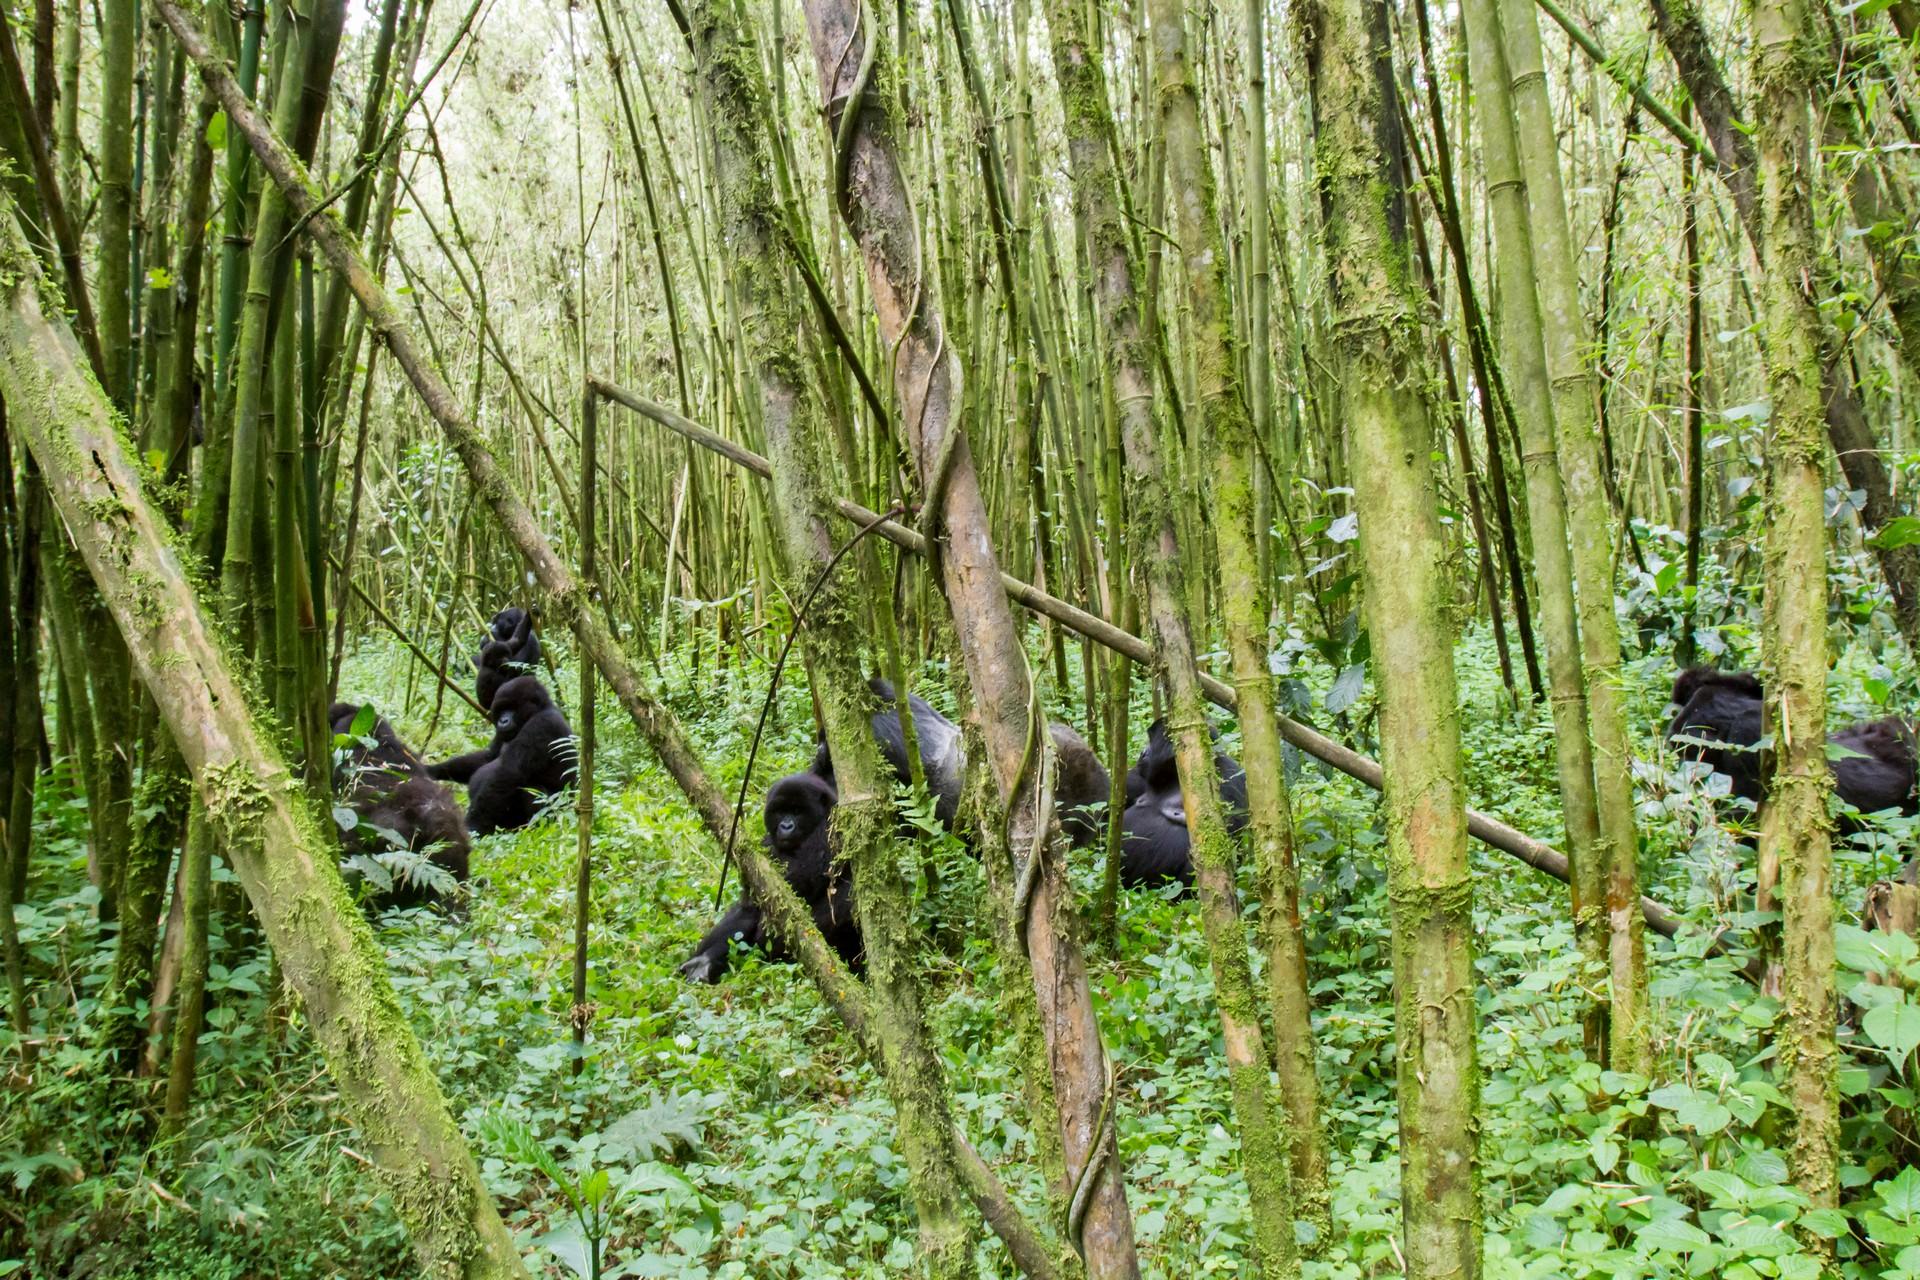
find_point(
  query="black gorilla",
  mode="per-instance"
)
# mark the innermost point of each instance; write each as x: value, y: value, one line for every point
x: 511, y: 649
x: 1155, y: 845
x: 514, y: 626
x: 530, y: 759
x: 1080, y: 780
x: 387, y: 785
x: 1726, y: 706
x: 797, y: 810
x: 1720, y: 707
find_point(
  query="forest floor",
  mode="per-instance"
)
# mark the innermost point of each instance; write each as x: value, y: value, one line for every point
x: 743, y: 1136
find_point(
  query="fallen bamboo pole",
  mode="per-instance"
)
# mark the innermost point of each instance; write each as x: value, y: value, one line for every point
x: 1535, y: 853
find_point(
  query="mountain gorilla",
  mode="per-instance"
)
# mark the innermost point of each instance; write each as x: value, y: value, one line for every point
x: 1725, y: 707
x: 1155, y: 845
x: 530, y: 759
x: 387, y: 785
x: 511, y: 649
x: 797, y: 810
x: 1080, y: 780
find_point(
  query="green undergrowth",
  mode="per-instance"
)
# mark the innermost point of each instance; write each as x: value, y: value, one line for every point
x: 733, y: 1130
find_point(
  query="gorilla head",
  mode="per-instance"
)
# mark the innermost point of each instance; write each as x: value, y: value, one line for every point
x: 1156, y: 846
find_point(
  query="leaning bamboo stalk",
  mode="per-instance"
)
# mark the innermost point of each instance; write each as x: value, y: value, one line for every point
x: 324, y: 945
x: 1489, y: 830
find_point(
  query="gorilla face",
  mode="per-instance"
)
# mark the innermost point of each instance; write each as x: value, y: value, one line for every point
x: 797, y: 810
x: 518, y: 701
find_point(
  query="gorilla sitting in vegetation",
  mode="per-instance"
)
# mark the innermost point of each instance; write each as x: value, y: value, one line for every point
x: 397, y: 804
x: 797, y: 810
x: 1155, y: 846
x: 1719, y: 723
x: 511, y: 649
x: 1080, y: 781
x: 530, y: 760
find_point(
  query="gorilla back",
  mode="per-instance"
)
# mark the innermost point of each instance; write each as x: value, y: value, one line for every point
x: 1875, y: 773
x: 388, y: 787
x: 1080, y: 781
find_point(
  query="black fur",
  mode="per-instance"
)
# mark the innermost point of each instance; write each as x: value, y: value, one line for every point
x: 1721, y: 707
x: 796, y: 814
x: 1155, y: 845
x: 531, y: 759
x: 1727, y: 707
x: 1080, y: 780
x: 511, y: 649
x: 387, y: 785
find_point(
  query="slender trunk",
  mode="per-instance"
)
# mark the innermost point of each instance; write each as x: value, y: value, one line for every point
x: 1526, y: 367
x: 1589, y: 525
x: 1690, y: 407
x: 190, y: 1008
x: 872, y: 193
x: 1795, y: 830
x: 119, y: 38
x: 1358, y: 155
x: 1265, y: 1138
x: 162, y: 805
x: 863, y: 821
x: 327, y: 951
x: 67, y: 126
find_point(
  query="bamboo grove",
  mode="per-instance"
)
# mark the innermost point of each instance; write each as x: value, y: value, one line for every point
x: 1409, y: 389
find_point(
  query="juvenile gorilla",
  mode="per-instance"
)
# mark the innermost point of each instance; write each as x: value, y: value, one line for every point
x: 530, y: 759
x: 797, y: 810
x: 1080, y: 780
x: 1155, y: 846
x: 387, y: 785
x: 511, y: 649
x: 1726, y: 707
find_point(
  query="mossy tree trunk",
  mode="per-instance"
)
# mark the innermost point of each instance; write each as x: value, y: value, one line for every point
x: 1525, y: 365
x: 1245, y: 602
x: 863, y: 823
x: 1576, y: 422
x: 1358, y: 151
x: 1795, y: 829
x: 284, y: 861
x: 857, y: 81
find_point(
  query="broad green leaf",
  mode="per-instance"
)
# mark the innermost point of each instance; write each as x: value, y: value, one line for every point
x: 1894, y: 1027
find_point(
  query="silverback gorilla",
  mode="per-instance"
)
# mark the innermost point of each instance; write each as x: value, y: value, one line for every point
x: 1080, y: 780
x: 530, y: 759
x: 387, y: 785
x: 1155, y: 845
x: 1721, y: 712
x: 797, y: 810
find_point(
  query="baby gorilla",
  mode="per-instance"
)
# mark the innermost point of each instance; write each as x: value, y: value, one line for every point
x: 1155, y: 845
x: 530, y: 760
x: 511, y: 649
x: 1080, y: 780
x: 387, y: 785
x: 1722, y: 711
x: 797, y: 810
